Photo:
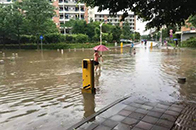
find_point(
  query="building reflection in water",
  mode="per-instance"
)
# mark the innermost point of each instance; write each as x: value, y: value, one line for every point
x: 89, y: 105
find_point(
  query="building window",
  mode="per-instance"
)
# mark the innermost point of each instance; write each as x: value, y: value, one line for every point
x: 66, y: 16
x: 61, y: 9
x: 61, y: 16
x: 66, y: 8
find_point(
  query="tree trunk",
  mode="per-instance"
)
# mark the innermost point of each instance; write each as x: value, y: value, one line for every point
x: 18, y: 37
x: 37, y: 44
x: 3, y: 41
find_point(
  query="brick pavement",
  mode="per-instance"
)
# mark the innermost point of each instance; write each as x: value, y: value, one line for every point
x: 142, y: 115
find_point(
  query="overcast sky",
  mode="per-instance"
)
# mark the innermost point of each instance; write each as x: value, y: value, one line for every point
x: 140, y: 27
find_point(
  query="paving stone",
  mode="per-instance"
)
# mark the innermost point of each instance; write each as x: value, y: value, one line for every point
x: 102, y: 127
x: 110, y: 123
x: 136, y: 115
x: 156, y: 109
x: 155, y: 114
x: 150, y: 119
x: 179, y: 106
x: 168, y: 117
x: 166, y: 103
x: 117, y: 118
x: 152, y: 104
x: 165, y: 123
x: 135, y: 104
x: 144, y: 125
x: 143, y: 111
x: 159, y: 128
x: 125, y: 112
x: 146, y: 107
x: 136, y: 128
x: 81, y: 129
x: 176, y: 109
x: 130, y: 121
x: 122, y: 126
x: 171, y: 113
x: 140, y: 102
x: 130, y: 108
x: 162, y: 106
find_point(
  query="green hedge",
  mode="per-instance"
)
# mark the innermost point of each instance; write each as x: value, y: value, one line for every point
x: 57, y: 38
x: 54, y: 38
x: 28, y: 39
x: 191, y: 42
x: 51, y: 46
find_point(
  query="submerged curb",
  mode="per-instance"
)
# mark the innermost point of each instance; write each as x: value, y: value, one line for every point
x: 77, y: 125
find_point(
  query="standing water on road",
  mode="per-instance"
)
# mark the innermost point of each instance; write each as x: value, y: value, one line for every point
x: 42, y: 91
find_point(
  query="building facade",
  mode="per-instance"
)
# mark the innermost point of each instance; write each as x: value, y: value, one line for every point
x: 186, y: 32
x: 5, y: 1
x: 94, y: 15
x: 72, y: 9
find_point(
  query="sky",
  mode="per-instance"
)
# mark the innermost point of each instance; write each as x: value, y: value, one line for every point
x: 140, y: 27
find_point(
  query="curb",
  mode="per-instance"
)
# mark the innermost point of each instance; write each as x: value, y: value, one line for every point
x: 97, y: 113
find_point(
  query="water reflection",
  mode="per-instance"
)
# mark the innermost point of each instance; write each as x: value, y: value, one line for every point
x: 89, y: 105
x: 97, y: 77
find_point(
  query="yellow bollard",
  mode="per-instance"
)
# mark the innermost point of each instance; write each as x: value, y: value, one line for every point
x: 151, y: 45
x: 88, y: 76
x: 121, y: 44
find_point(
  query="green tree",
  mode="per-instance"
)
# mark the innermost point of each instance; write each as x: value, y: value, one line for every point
x: 37, y: 13
x: 4, y: 23
x: 126, y: 31
x: 137, y: 35
x: 16, y: 22
x: 192, y: 20
x: 158, y: 12
x: 116, y: 32
x: 50, y: 27
x: 79, y: 27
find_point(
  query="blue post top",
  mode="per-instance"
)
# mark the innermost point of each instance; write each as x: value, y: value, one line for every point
x: 132, y: 45
x: 41, y: 37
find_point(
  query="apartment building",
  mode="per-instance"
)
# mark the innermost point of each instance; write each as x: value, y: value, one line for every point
x: 94, y: 15
x: 72, y: 9
x: 6, y: 1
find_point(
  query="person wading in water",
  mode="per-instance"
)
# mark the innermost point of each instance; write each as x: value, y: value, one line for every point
x: 96, y: 59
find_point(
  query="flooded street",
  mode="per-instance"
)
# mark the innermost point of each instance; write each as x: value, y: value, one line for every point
x: 42, y: 91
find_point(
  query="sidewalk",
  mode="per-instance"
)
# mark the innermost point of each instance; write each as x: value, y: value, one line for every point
x: 126, y: 114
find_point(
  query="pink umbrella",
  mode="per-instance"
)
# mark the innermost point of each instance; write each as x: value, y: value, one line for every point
x: 101, y: 48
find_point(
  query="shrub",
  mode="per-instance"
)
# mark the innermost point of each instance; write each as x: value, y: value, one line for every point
x: 28, y: 39
x: 81, y: 38
x: 53, y: 38
x: 191, y: 42
x: 70, y: 38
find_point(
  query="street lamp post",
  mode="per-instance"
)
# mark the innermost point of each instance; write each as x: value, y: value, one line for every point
x: 101, y: 33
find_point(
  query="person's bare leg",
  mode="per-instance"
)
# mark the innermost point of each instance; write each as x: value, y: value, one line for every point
x: 95, y: 67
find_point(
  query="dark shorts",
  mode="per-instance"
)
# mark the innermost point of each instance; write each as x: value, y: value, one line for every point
x: 96, y: 63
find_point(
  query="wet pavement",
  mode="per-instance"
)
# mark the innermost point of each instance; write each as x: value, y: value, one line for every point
x: 142, y: 115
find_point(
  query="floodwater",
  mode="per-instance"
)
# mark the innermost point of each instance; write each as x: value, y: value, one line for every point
x: 42, y: 91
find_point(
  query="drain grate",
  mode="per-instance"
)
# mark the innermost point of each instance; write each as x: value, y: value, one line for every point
x: 187, y: 119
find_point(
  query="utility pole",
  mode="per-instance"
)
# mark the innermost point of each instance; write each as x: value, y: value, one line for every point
x: 101, y: 33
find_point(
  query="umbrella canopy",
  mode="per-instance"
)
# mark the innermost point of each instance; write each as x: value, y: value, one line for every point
x: 175, y: 39
x: 101, y: 48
